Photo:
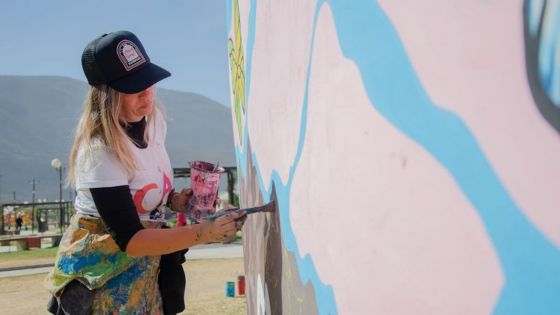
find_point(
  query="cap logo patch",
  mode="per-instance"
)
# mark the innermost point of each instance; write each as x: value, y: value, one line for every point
x: 129, y: 55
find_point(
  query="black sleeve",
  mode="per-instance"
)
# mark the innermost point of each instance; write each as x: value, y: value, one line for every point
x: 117, y: 210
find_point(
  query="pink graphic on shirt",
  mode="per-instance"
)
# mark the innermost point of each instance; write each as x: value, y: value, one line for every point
x: 139, y: 198
x: 167, y: 185
x: 140, y: 194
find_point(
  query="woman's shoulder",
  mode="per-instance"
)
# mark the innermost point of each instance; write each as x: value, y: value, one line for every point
x: 97, y: 155
x: 94, y: 145
x: 94, y: 151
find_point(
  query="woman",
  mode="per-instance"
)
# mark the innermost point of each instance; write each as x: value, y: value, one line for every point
x: 109, y: 257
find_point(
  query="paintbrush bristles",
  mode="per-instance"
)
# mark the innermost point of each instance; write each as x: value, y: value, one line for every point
x: 269, y: 207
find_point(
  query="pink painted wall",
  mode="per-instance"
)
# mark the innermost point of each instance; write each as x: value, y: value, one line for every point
x: 412, y: 151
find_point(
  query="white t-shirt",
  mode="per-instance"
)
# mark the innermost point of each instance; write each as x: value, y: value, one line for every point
x: 149, y: 185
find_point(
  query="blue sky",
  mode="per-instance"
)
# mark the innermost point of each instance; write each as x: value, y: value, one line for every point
x: 186, y: 37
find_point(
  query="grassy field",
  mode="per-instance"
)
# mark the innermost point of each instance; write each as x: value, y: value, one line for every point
x: 29, y: 254
x: 27, y: 257
x: 205, y: 294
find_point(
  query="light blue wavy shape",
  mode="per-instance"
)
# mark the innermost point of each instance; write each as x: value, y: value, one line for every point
x: 531, y: 263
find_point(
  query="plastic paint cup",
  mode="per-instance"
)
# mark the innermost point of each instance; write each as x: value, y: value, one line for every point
x: 205, y: 180
x: 230, y: 289
x: 241, y: 285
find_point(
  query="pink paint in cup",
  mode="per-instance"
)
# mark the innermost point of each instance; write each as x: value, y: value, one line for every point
x: 205, y: 180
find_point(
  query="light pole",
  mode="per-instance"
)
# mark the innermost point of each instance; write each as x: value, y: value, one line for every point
x: 57, y: 165
x: 0, y: 189
x: 33, y: 218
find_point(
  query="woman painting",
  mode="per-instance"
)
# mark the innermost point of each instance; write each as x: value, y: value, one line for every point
x: 109, y: 257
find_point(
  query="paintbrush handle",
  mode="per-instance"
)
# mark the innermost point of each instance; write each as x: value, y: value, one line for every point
x: 220, y: 214
x: 228, y: 211
x: 254, y: 209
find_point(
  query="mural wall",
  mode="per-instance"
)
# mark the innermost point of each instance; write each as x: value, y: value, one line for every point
x: 412, y: 149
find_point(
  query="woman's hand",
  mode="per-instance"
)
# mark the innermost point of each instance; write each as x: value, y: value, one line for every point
x: 241, y: 220
x: 180, y: 200
x: 225, y: 227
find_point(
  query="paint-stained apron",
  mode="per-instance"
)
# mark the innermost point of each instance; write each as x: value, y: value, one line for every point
x: 120, y: 283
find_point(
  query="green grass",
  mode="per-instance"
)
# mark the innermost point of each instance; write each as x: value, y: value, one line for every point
x: 35, y: 253
x: 29, y: 254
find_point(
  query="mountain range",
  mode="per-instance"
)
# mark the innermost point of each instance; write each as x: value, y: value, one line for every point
x: 38, y: 116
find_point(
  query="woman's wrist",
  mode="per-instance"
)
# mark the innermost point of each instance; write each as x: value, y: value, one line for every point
x: 202, y: 231
x: 169, y: 202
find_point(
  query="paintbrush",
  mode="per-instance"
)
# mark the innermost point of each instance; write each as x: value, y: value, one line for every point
x: 269, y: 207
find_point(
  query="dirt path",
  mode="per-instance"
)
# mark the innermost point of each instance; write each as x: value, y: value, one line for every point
x: 205, y: 294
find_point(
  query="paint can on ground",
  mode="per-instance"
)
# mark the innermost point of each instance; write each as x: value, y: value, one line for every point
x: 230, y: 289
x: 241, y: 285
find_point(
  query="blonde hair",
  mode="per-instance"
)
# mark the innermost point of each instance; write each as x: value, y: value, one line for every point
x: 102, y: 120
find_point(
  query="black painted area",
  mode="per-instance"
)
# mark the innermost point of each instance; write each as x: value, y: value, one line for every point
x: 273, y: 263
x: 545, y: 105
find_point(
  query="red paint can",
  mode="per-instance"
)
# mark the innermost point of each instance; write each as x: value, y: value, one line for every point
x: 241, y: 285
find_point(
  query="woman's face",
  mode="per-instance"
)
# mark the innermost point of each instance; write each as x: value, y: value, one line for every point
x: 136, y: 106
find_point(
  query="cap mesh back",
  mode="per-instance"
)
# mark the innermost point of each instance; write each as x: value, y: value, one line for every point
x: 90, y: 66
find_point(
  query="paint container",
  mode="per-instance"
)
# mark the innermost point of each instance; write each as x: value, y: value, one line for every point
x: 205, y: 180
x: 241, y: 285
x: 230, y: 289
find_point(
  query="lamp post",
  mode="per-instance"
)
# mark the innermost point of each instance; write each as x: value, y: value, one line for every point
x: 33, y: 218
x: 57, y: 165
